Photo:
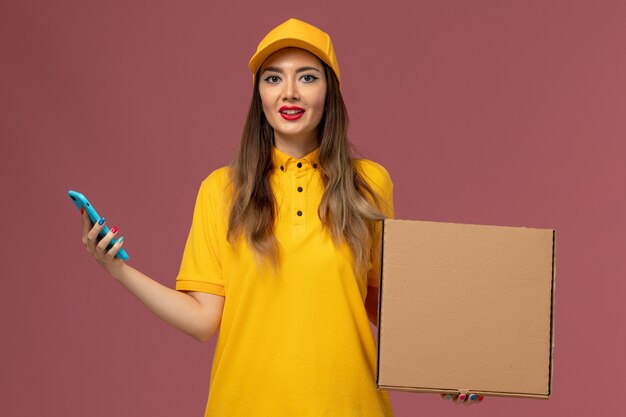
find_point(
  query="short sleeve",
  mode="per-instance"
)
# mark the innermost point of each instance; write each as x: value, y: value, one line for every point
x: 201, y: 269
x: 382, y: 184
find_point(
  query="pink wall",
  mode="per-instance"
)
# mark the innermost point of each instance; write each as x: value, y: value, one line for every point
x: 488, y: 112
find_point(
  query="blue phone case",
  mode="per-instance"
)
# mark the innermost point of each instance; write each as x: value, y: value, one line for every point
x: 81, y: 201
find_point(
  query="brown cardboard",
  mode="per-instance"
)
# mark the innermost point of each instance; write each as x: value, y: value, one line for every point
x: 466, y: 308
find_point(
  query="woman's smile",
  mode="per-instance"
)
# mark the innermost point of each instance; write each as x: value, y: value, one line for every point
x: 291, y: 112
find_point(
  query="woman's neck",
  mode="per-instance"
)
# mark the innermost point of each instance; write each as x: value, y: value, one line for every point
x: 296, y: 147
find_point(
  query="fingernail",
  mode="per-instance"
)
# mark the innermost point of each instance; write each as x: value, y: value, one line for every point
x: 120, y: 240
x: 101, y: 221
x: 473, y: 397
x: 82, y: 210
x: 114, y: 230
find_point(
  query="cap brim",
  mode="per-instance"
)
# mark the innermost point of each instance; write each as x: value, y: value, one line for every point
x: 257, y: 60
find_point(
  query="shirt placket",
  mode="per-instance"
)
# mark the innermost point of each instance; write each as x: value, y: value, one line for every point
x: 299, y: 215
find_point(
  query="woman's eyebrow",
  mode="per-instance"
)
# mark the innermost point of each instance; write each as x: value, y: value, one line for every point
x: 301, y: 69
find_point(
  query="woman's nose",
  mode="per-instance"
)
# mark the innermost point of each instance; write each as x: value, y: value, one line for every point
x: 290, y: 91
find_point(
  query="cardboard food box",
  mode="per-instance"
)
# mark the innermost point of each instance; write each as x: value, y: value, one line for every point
x: 466, y: 308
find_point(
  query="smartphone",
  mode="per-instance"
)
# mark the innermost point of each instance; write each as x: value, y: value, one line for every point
x: 80, y: 201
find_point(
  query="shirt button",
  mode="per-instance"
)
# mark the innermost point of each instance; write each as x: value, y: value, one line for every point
x: 299, y: 164
x: 299, y: 189
x: 299, y: 213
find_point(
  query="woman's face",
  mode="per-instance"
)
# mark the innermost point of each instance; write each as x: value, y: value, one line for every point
x: 293, y: 90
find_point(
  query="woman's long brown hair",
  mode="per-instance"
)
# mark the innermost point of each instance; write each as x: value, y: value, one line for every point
x: 349, y: 205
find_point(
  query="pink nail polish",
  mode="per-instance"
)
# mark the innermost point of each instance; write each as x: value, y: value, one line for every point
x: 114, y: 230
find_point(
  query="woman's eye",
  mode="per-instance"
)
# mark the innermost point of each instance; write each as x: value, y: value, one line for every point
x: 309, y: 78
x: 272, y: 79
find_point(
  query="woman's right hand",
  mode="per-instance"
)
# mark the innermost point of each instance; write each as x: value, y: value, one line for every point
x: 97, y: 248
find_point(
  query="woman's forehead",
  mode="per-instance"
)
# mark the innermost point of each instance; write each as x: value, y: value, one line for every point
x: 292, y: 56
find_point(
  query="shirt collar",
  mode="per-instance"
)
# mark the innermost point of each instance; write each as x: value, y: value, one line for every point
x: 284, y: 162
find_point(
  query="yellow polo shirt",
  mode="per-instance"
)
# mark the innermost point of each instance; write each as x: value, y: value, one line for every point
x: 296, y: 343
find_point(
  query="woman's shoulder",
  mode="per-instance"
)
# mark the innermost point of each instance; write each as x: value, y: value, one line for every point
x: 374, y: 173
x: 217, y: 181
x: 379, y: 179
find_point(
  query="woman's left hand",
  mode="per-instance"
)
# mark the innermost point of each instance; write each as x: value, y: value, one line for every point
x: 463, y: 398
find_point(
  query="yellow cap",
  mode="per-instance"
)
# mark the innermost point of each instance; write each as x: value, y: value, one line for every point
x: 298, y: 34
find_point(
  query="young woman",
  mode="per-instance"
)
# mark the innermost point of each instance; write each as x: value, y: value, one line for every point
x: 282, y: 251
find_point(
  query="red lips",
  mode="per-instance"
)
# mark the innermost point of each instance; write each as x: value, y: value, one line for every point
x: 291, y: 112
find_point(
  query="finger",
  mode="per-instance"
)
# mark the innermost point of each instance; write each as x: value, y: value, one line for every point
x: 460, y: 398
x: 104, y: 242
x: 116, y: 248
x: 92, y: 236
x: 473, y: 399
x: 86, y: 223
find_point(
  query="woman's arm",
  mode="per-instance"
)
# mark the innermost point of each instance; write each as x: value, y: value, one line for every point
x: 195, y: 313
